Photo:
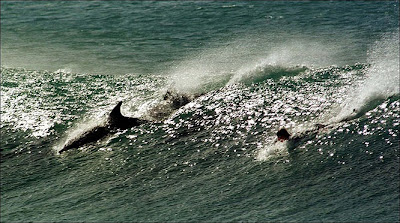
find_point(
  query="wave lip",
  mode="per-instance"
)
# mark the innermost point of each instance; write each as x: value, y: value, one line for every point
x: 250, y: 60
x: 382, y: 78
x: 263, y: 72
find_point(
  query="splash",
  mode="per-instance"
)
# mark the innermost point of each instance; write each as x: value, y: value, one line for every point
x: 248, y: 59
x: 272, y: 150
x: 382, y: 79
x: 80, y: 128
x: 290, y: 57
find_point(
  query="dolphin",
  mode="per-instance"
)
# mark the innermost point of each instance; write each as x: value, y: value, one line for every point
x: 115, y: 122
x: 170, y: 102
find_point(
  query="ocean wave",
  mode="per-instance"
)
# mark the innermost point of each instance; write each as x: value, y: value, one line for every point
x: 382, y: 78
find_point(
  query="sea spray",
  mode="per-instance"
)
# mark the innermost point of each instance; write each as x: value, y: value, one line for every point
x: 382, y: 79
x: 294, y: 56
x: 248, y: 59
x: 79, y: 128
x: 271, y: 150
x: 200, y: 164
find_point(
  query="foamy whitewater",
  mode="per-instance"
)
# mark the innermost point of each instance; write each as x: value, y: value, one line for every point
x: 216, y: 81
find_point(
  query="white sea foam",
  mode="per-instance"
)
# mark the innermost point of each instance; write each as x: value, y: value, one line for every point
x: 288, y: 55
x: 241, y: 59
x: 80, y: 128
x: 382, y: 78
x: 64, y: 70
x: 271, y: 149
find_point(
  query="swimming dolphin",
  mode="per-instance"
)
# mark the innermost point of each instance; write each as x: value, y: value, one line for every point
x: 170, y: 102
x: 116, y: 121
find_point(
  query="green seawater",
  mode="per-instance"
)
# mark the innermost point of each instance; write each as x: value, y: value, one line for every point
x: 257, y: 66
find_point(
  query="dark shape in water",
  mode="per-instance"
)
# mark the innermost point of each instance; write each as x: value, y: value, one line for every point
x: 116, y: 121
x: 172, y: 101
x: 177, y: 100
x: 284, y: 135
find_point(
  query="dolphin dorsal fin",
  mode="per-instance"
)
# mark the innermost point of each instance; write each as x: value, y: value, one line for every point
x: 116, y: 112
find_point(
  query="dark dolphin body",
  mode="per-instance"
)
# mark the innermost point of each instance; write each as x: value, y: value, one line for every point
x: 116, y: 121
x: 172, y: 101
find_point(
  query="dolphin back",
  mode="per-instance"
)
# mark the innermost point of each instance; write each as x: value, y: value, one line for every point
x: 92, y: 135
x: 118, y: 121
x: 115, y: 122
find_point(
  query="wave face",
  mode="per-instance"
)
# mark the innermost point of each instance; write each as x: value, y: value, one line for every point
x: 248, y: 69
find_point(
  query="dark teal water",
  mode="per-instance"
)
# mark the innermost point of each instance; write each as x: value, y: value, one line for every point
x: 260, y: 66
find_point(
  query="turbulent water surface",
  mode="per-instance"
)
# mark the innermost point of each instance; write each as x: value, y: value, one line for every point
x: 249, y: 68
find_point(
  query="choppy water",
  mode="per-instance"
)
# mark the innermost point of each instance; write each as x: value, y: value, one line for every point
x: 259, y: 66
